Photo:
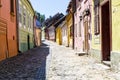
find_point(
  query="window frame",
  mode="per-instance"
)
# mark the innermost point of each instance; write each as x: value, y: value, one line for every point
x: 20, y: 14
x: 79, y: 28
x: 24, y: 17
x: 12, y: 7
x: 97, y: 21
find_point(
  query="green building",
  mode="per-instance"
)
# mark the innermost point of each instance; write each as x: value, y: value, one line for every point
x: 25, y: 25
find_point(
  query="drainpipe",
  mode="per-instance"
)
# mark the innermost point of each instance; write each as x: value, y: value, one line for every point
x: 34, y: 33
x: 73, y: 28
x: 17, y: 26
x: 74, y: 9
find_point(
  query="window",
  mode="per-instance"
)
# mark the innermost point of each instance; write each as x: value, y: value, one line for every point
x: 0, y: 4
x: 24, y: 18
x: 31, y: 23
x: 65, y: 33
x: 80, y: 29
x: 20, y: 14
x: 71, y: 31
x: 76, y: 30
x: 96, y: 18
x: 12, y: 6
x: 27, y: 20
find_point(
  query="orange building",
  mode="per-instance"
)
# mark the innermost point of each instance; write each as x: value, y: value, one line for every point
x: 8, y: 37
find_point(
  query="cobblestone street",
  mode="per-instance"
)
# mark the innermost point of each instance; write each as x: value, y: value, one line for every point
x: 30, y: 65
x: 54, y: 62
x: 65, y: 65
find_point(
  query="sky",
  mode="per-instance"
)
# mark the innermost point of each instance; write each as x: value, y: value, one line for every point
x: 50, y: 7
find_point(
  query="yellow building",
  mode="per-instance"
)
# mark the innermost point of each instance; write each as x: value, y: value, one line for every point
x: 58, y: 35
x: 58, y: 25
x: 105, y: 32
x: 115, y: 52
x: 70, y: 29
x: 101, y: 30
x: 25, y: 25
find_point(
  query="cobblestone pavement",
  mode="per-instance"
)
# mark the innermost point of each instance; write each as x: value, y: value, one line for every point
x: 28, y: 66
x: 65, y: 65
x: 54, y: 62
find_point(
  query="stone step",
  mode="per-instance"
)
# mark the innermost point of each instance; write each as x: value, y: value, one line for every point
x: 81, y: 53
x: 108, y: 63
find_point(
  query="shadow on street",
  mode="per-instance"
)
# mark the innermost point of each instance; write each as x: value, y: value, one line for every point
x: 31, y: 65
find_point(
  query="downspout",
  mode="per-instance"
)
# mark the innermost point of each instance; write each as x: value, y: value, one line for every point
x: 73, y: 28
x: 17, y: 26
x: 73, y: 11
x: 34, y: 31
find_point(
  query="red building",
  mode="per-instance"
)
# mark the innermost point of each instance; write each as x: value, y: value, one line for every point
x: 8, y: 37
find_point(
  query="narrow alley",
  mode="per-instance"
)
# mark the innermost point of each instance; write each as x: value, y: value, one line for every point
x: 54, y: 62
x: 59, y: 40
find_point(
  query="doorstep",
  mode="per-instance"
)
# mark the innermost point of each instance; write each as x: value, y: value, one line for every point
x: 108, y: 63
x: 81, y: 53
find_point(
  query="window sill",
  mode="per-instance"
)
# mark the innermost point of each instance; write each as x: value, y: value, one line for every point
x: 13, y: 14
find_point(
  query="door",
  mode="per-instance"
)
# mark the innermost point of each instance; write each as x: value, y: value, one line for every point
x: 85, y: 43
x: 106, y: 37
x: 28, y: 40
x: 3, y: 39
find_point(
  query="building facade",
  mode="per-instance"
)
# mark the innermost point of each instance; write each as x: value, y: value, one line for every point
x: 115, y: 52
x: 25, y: 25
x: 64, y: 29
x: 82, y: 26
x: 58, y: 29
x: 59, y: 35
x: 51, y: 32
x: 50, y: 28
x: 8, y: 37
x: 101, y: 30
x: 105, y: 42
x: 69, y: 22
x: 37, y: 32
x: 70, y: 29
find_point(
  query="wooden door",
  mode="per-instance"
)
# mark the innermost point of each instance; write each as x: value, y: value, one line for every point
x: 106, y: 37
x: 86, y: 44
x: 3, y: 39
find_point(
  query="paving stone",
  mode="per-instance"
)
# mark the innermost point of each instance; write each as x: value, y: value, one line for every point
x: 53, y: 62
x: 65, y: 65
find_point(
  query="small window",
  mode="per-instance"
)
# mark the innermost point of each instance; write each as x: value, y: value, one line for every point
x: 12, y: 6
x: 80, y: 28
x: 20, y: 14
x: 0, y: 4
x: 24, y: 18
x: 96, y: 20
x: 76, y: 30
x: 71, y: 31
x: 31, y: 23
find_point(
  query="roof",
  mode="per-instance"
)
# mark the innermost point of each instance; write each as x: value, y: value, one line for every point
x: 38, y: 24
x: 53, y: 19
x: 31, y: 6
x: 59, y: 21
